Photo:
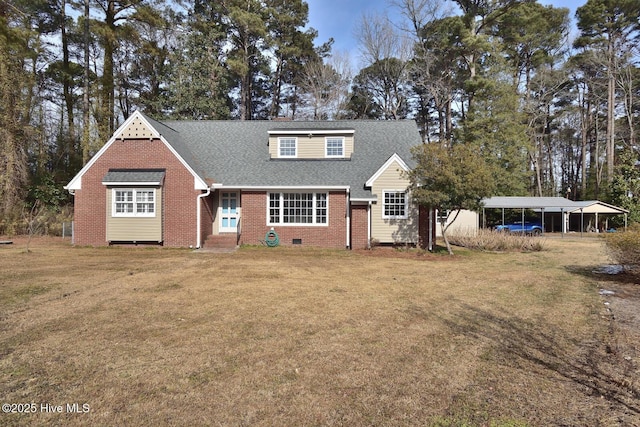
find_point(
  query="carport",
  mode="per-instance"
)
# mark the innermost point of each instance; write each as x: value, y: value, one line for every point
x: 596, y: 210
x: 558, y: 209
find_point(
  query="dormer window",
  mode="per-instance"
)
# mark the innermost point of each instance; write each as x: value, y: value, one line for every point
x: 287, y: 147
x: 334, y: 146
x: 311, y: 143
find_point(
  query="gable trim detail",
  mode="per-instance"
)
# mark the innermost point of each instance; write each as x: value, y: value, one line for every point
x: 76, y: 181
x: 394, y: 158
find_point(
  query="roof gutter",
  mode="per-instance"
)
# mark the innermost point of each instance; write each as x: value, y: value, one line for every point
x: 288, y: 187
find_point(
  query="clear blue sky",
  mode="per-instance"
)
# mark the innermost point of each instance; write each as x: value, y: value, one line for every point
x: 338, y: 18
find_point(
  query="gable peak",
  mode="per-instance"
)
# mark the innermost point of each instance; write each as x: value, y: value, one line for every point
x: 136, y: 127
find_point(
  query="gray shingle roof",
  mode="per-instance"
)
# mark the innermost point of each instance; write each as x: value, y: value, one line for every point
x: 134, y: 176
x: 235, y: 153
x: 175, y: 139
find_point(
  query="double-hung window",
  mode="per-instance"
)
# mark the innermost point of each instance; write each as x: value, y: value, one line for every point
x: 297, y: 209
x: 130, y: 202
x: 287, y: 147
x: 334, y: 147
x: 395, y: 204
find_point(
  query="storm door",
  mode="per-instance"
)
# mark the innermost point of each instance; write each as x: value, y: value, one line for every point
x: 229, y: 212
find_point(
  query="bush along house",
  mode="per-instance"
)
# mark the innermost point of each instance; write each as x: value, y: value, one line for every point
x: 336, y: 184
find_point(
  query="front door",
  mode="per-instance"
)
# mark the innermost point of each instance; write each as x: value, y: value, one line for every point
x: 229, y: 212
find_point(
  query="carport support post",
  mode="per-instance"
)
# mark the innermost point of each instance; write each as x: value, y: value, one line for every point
x: 581, y: 221
x: 563, y: 227
x: 542, y: 210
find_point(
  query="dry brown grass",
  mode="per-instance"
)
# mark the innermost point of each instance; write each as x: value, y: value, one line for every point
x: 309, y: 337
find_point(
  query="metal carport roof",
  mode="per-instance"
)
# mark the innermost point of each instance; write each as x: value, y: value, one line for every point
x: 554, y: 205
x: 596, y: 206
x: 528, y: 203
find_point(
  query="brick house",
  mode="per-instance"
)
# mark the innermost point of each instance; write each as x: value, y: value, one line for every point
x: 337, y: 184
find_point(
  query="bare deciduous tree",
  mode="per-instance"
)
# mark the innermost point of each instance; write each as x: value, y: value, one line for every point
x: 325, y: 86
x: 32, y: 218
x: 378, y: 39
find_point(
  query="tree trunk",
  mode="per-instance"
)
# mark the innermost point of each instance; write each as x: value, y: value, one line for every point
x: 68, y: 142
x: 611, y: 99
x: 445, y: 228
x: 85, y: 95
x: 627, y: 85
x: 108, y: 86
x: 277, y: 89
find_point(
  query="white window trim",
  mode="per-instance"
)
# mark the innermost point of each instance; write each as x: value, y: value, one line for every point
x: 295, y: 147
x: 326, y: 147
x: 133, y: 214
x: 294, y: 224
x: 406, y: 204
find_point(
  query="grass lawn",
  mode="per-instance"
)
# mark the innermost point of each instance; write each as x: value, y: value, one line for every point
x: 293, y: 337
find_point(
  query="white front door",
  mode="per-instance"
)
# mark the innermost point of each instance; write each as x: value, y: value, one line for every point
x: 229, y: 212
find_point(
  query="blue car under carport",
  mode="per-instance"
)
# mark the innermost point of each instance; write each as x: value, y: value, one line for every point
x: 529, y: 227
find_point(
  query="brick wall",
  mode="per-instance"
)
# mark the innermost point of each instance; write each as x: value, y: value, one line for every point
x: 359, y: 227
x: 424, y: 213
x: 179, y: 197
x: 254, y: 223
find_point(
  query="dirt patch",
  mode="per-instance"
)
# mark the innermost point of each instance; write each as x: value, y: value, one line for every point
x: 621, y: 300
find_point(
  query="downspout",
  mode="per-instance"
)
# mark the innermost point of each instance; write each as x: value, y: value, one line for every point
x: 369, y: 225
x: 73, y: 234
x: 431, y: 226
x: 348, y: 214
x: 199, y: 216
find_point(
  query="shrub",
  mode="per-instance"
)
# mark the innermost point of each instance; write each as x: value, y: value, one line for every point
x: 624, y: 248
x: 45, y: 222
x: 495, y: 241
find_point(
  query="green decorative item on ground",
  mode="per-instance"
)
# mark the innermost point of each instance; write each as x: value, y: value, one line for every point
x: 271, y: 238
